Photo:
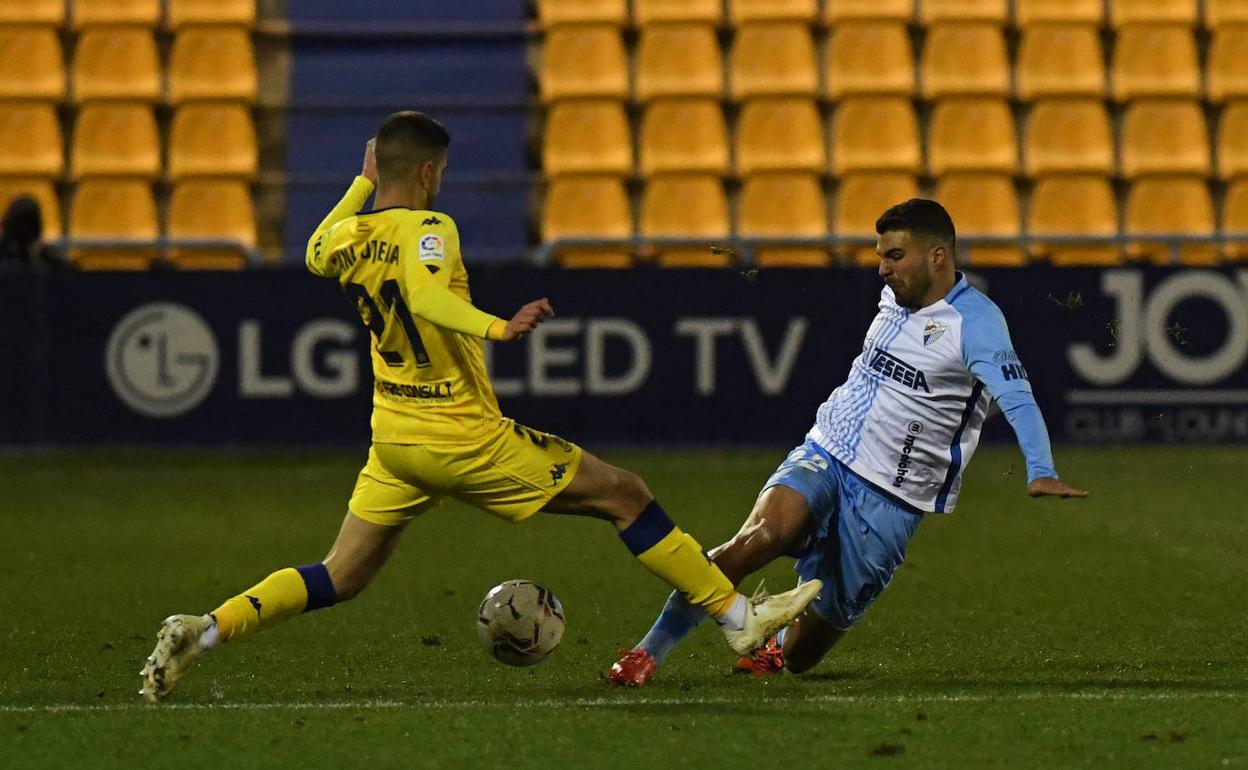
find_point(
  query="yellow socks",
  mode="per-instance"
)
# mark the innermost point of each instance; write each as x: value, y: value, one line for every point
x: 279, y: 596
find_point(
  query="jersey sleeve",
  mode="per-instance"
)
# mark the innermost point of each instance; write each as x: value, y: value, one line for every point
x: 427, y: 295
x: 317, y: 256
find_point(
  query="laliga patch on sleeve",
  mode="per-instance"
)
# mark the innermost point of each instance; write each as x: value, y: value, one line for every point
x: 432, y: 247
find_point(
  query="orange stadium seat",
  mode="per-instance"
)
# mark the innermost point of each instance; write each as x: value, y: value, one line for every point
x: 983, y: 205
x: 87, y: 13
x: 875, y: 134
x: 836, y: 11
x: 860, y: 199
x: 1065, y: 136
x: 1222, y: 12
x: 30, y: 134
x: 212, y: 63
x: 185, y: 12
x: 113, y: 208
x: 588, y: 207
x: 1071, y: 206
x: 971, y: 134
x: 33, y: 12
x: 687, y: 135
x: 551, y: 12
x: 773, y: 59
x: 116, y: 63
x: 212, y: 209
x: 1123, y: 12
x: 587, y: 136
x: 780, y: 206
x: 965, y: 58
x: 687, y: 206
x: 1235, y: 221
x: 1155, y: 60
x: 1164, y: 136
x: 1233, y: 141
x: 1028, y: 12
x: 41, y: 189
x: 212, y: 140
x: 30, y: 63
x: 651, y: 11
x: 869, y: 58
x: 678, y: 60
x: 994, y: 11
x: 783, y: 134
x: 116, y: 140
x: 1227, y: 71
x: 1177, y: 205
x: 805, y: 11
x: 1060, y: 60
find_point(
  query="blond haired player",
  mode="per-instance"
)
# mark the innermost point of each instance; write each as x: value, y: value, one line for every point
x: 437, y: 428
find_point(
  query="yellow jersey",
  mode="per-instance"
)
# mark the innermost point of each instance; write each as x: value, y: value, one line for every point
x: 403, y: 271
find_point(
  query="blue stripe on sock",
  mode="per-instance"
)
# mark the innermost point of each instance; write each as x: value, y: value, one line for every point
x: 321, y: 591
x: 647, y: 529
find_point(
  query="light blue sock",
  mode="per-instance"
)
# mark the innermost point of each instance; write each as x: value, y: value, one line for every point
x: 678, y: 618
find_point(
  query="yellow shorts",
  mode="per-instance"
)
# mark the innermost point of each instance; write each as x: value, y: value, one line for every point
x: 512, y: 473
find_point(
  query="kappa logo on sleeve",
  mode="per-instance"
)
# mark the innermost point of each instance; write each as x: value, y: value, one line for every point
x: 432, y: 247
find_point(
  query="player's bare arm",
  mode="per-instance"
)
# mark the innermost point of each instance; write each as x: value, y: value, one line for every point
x: 1048, y: 486
x: 527, y: 319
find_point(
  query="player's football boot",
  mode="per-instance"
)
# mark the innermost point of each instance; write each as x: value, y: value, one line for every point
x: 764, y: 661
x: 177, y: 647
x: 767, y: 614
x: 633, y: 670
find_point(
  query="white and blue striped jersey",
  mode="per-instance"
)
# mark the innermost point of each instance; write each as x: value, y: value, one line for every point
x: 909, y: 416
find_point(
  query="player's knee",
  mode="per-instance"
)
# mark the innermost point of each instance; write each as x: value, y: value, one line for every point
x: 631, y: 495
x: 801, y: 661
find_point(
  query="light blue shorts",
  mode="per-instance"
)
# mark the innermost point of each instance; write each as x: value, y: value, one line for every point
x: 857, y: 537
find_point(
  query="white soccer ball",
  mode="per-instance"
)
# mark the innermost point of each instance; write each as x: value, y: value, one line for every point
x: 520, y: 622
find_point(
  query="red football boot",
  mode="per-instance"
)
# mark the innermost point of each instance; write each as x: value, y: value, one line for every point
x: 764, y: 661
x: 634, y: 669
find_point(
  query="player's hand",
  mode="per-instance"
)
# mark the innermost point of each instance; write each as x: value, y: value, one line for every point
x: 527, y: 319
x: 1048, y: 486
x: 369, y: 171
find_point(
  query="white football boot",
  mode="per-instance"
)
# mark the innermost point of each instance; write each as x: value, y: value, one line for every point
x: 177, y: 648
x: 766, y: 615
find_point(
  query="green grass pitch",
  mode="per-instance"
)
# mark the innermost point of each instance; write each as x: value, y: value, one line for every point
x: 1020, y: 633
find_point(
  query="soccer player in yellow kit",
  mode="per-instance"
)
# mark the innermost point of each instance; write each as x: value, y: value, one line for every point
x: 437, y: 428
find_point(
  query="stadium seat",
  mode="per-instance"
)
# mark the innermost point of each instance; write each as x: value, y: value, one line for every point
x: 1222, y: 12
x: 1060, y: 60
x: 1164, y: 136
x: 116, y: 63
x: 1068, y: 136
x: 964, y: 59
x: 1028, y: 12
x: 185, y: 12
x: 1072, y: 206
x: 552, y: 12
x: 860, y: 200
x: 212, y: 140
x: 704, y: 11
x: 116, y: 140
x: 868, y: 58
x: 30, y: 134
x: 684, y: 135
x: 1235, y: 221
x: 971, y: 134
x: 983, y: 205
x: 588, y: 207
x: 1155, y: 60
x: 42, y: 190
x: 212, y: 63
x: 678, y: 60
x: 837, y: 11
x: 141, y: 13
x: 783, y: 134
x: 51, y: 12
x: 1123, y: 12
x: 875, y: 134
x: 1226, y: 70
x: 113, y: 208
x: 741, y: 11
x: 212, y: 209
x: 773, y: 59
x: 687, y: 206
x: 587, y: 136
x: 1177, y: 205
x: 994, y: 11
x: 1233, y: 141
x: 30, y: 64
x: 784, y: 206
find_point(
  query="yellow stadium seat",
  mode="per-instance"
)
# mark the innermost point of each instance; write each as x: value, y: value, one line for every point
x: 867, y: 57
x: 588, y: 207
x: 1068, y: 136
x: 32, y: 12
x: 740, y: 11
x: 704, y: 11
x: 1155, y: 60
x: 963, y: 59
x: 113, y: 209
x: 116, y: 63
x: 773, y: 59
x: 212, y: 63
x: 87, y: 13
x: 41, y: 189
x: 212, y: 209
x: 678, y: 60
x: 985, y: 206
x: 1164, y: 136
x: 684, y: 135
x: 30, y: 63
x: 1235, y: 221
x: 782, y: 134
x: 1178, y: 205
x: 836, y: 11
x: 587, y: 136
x: 238, y: 12
x: 1233, y: 141
x: 30, y: 134
x: 875, y: 134
x: 860, y: 200
x: 994, y: 11
x: 1227, y: 70
x: 1123, y: 12
x: 1060, y: 60
x: 551, y: 12
x: 687, y: 206
x: 1073, y: 206
x: 212, y: 140
x: 784, y: 206
x: 1222, y: 12
x: 1028, y: 12
x: 971, y: 134
x: 116, y: 140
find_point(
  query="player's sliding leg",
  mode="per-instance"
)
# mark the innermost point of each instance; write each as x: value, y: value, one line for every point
x: 805, y: 641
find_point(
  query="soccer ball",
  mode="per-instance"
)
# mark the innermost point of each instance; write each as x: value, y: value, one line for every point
x: 520, y: 622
